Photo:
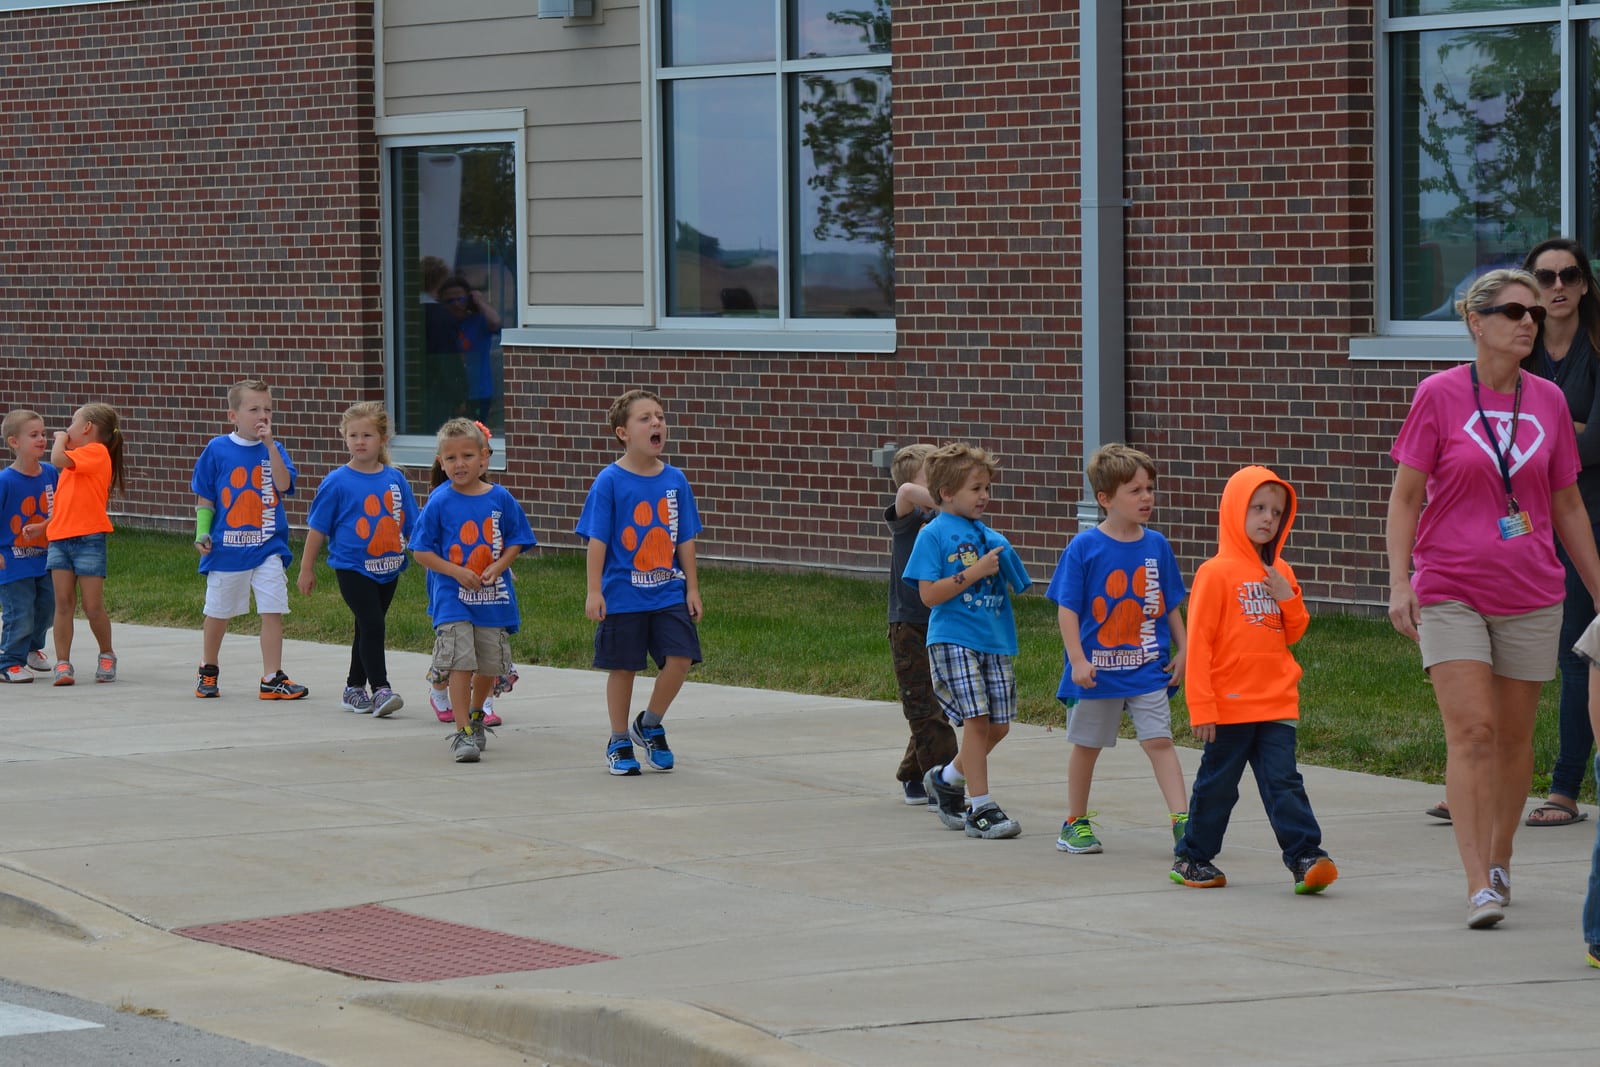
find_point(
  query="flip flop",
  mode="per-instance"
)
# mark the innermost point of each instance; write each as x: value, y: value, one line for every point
x: 1439, y: 811
x: 1565, y: 816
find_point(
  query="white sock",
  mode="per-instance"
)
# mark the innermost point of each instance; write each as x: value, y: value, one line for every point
x: 978, y: 802
x: 949, y: 776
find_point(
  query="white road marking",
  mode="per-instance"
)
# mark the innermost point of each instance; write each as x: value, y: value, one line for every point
x: 15, y: 1020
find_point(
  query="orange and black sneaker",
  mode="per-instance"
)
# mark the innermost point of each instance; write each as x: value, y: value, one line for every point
x: 278, y: 687
x: 205, y: 681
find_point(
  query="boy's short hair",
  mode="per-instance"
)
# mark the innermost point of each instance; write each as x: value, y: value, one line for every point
x: 907, y: 462
x: 950, y: 465
x: 250, y: 385
x: 1115, y: 465
x: 15, y: 420
x: 618, y: 415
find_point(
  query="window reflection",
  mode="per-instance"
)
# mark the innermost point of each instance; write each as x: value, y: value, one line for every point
x: 844, y: 239
x: 1403, y: 8
x: 1477, y: 171
x: 722, y: 197
x: 835, y: 28
x: 1588, y: 73
x: 453, y: 263
x: 717, y: 31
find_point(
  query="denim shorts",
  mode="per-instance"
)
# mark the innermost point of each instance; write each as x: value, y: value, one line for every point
x: 85, y: 555
x: 622, y: 641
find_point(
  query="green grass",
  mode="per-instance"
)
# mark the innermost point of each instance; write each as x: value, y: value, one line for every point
x: 1365, y: 704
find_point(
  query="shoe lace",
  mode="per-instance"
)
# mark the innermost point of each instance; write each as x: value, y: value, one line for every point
x: 1082, y: 826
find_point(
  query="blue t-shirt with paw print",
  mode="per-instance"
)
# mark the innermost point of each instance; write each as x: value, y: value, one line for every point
x: 642, y: 521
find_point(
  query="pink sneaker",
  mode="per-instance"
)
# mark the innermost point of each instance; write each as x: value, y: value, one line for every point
x: 440, y: 699
x: 489, y: 717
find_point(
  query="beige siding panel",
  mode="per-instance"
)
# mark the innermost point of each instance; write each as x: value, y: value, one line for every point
x: 432, y: 13
x: 611, y: 141
x: 497, y: 37
x: 619, y: 253
x: 564, y: 179
x: 521, y: 71
x: 592, y: 289
x: 592, y: 215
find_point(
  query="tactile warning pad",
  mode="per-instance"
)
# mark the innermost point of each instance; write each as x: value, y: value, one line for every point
x: 373, y: 941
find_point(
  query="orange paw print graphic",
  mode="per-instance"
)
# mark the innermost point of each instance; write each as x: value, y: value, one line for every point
x: 650, y: 543
x: 241, y: 497
x: 1120, y: 608
x: 380, y: 531
x: 472, y: 549
x: 30, y: 510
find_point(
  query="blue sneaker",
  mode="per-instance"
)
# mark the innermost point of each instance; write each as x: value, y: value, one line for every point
x: 653, y: 739
x: 916, y: 793
x: 619, y: 757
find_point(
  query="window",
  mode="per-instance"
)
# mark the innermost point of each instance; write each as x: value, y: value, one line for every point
x: 776, y: 167
x: 1494, y: 142
x: 453, y: 276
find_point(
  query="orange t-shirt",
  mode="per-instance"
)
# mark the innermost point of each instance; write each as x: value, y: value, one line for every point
x: 82, y: 493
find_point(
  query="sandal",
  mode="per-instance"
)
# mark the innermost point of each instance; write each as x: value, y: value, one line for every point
x: 1561, y: 815
x: 1440, y: 810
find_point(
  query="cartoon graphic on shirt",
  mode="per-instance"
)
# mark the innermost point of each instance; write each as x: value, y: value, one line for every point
x: 31, y: 510
x: 380, y: 529
x: 1127, y: 610
x: 652, y: 538
x: 249, y: 500
x: 986, y: 594
x: 1516, y: 452
x: 1259, y: 606
x: 476, y: 546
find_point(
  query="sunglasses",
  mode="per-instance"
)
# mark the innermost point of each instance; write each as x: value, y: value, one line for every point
x: 1514, y: 311
x: 458, y: 301
x: 1568, y: 276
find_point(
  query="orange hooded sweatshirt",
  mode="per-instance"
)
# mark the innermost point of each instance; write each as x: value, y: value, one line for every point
x: 1239, y: 666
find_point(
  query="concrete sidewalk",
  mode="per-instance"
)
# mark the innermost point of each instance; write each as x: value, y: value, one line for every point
x: 770, y: 902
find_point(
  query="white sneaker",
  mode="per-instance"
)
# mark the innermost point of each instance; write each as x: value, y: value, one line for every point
x: 38, y: 661
x: 1483, y: 909
x: 1500, y: 882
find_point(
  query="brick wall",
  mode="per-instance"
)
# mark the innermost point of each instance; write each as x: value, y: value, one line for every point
x: 188, y: 195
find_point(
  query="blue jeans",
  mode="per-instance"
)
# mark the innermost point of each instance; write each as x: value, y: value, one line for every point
x: 29, y: 607
x: 1574, y: 735
x: 1269, y: 748
x: 1591, y: 902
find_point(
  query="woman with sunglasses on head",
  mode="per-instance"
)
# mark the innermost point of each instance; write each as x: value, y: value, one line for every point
x: 1492, y: 450
x: 1566, y: 353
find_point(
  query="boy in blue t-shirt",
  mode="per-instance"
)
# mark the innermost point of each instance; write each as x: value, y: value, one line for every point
x: 242, y: 532
x: 962, y: 569
x: 27, y: 595
x: 469, y: 534
x: 640, y: 519
x: 1118, y: 589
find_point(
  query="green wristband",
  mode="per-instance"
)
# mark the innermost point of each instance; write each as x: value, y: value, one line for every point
x: 202, y: 523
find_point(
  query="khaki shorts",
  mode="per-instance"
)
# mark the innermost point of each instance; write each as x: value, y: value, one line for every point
x: 1523, y: 647
x: 461, y: 646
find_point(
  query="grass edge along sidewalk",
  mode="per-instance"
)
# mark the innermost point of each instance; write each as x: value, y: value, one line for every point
x: 1365, y: 703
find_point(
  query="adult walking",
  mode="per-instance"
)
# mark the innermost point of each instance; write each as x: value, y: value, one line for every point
x: 1566, y: 353
x: 1492, y: 450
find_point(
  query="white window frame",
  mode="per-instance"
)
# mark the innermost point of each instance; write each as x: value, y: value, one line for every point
x: 1446, y: 341
x: 502, y: 126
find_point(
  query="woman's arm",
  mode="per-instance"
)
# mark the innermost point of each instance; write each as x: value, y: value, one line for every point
x: 1400, y: 534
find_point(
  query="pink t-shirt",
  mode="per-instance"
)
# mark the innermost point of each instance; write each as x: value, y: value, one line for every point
x: 1459, y: 554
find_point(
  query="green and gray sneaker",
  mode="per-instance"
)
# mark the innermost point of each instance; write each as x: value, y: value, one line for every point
x: 1077, y: 836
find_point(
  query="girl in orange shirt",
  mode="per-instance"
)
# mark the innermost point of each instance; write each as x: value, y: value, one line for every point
x: 89, y: 456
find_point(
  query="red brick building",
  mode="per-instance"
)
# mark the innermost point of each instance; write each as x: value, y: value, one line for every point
x: 201, y: 190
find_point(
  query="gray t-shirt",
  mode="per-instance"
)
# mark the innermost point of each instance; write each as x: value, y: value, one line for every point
x: 905, y: 605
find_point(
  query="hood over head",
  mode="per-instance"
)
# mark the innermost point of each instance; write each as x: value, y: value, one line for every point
x: 1231, y: 537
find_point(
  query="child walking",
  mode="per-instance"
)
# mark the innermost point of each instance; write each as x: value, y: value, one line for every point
x: 640, y: 520
x: 242, y: 531
x: 468, y: 535
x: 962, y: 569
x: 27, y: 595
x: 1243, y: 686
x: 88, y: 453
x: 933, y: 740
x: 1117, y: 590
x: 365, y: 512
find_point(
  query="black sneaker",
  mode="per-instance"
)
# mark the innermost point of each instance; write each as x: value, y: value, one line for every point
x: 1197, y: 875
x: 278, y: 687
x: 990, y: 823
x: 653, y: 739
x: 916, y: 793
x: 205, y: 682
x: 952, y: 799
x: 1313, y: 874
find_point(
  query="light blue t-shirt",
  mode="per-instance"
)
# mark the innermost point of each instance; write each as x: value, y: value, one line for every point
x: 367, y: 519
x: 642, y: 520
x: 1124, y: 593
x: 979, y: 617
x: 472, y: 531
x: 251, y: 525
x: 24, y: 500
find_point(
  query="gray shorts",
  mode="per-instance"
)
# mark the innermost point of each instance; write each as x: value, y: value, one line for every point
x: 461, y: 646
x: 1523, y: 647
x: 1094, y: 723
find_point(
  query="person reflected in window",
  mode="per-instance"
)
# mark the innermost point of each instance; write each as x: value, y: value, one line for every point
x: 474, y: 323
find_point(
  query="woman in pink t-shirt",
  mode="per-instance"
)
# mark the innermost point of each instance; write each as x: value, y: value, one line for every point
x: 1474, y: 578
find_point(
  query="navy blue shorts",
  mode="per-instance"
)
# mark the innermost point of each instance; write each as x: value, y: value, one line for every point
x: 622, y: 641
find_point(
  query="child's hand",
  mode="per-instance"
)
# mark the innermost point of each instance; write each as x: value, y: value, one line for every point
x: 1206, y: 731
x: 988, y: 564
x: 32, y: 530
x: 203, y: 544
x: 307, y: 582
x: 1278, y: 585
x: 594, y: 606
x: 1174, y: 667
x: 696, y: 609
x: 469, y: 579
x: 264, y: 431
x: 1083, y: 675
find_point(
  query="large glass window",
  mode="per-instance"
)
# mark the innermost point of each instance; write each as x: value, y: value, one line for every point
x: 1478, y: 115
x: 453, y: 280
x: 777, y: 161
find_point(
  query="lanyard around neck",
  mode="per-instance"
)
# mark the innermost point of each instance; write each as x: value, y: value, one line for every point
x: 1494, y: 438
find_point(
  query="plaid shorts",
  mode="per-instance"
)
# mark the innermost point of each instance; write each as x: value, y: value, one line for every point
x: 968, y: 684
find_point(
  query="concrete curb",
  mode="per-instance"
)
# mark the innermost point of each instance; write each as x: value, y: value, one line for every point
x: 22, y: 914
x: 590, y: 1031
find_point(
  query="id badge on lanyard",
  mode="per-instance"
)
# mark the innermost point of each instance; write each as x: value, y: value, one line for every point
x: 1515, y: 522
